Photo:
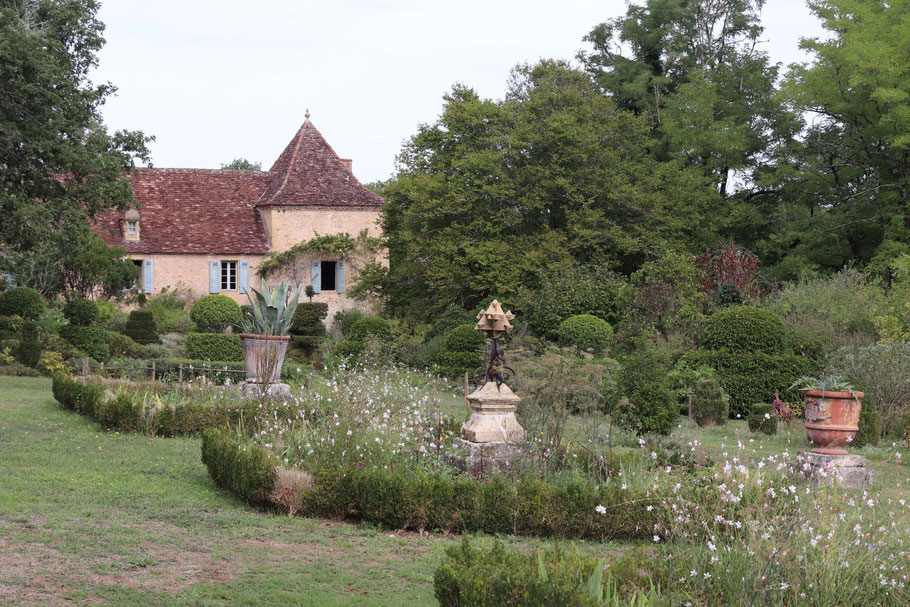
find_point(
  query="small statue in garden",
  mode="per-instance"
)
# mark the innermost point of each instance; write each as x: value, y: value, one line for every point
x: 492, y: 439
x: 782, y: 410
x: 493, y: 322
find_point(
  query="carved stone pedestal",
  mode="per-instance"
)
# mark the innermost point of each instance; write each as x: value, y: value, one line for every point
x: 492, y: 439
x: 848, y: 471
x: 251, y: 390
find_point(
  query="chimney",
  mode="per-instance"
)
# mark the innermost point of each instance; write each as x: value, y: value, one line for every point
x: 348, y: 163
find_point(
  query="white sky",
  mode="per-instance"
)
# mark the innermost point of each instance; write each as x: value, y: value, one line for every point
x: 215, y: 80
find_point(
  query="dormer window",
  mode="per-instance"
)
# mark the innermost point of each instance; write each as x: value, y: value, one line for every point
x: 131, y: 225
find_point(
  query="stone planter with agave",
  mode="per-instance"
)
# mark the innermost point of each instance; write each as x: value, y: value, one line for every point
x: 266, y: 332
x: 831, y: 410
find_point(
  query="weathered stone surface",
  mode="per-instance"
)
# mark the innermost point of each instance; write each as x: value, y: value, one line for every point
x: 493, y: 416
x: 478, y: 459
x: 847, y: 471
x: 251, y: 390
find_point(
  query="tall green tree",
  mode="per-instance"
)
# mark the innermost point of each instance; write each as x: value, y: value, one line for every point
x: 58, y: 164
x: 847, y: 184
x: 242, y: 164
x: 693, y: 69
x: 552, y: 175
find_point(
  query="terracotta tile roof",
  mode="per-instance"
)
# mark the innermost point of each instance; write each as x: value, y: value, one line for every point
x: 310, y: 173
x: 200, y: 211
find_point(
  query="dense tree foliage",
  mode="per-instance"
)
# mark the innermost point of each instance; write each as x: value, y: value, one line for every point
x: 58, y: 165
x: 552, y: 175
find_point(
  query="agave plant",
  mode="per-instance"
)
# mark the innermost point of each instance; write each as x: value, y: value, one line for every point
x: 273, y: 310
x: 827, y: 383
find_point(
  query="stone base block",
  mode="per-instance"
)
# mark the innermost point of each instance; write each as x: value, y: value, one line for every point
x: 251, y: 390
x: 848, y: 471
x: 478, y: 459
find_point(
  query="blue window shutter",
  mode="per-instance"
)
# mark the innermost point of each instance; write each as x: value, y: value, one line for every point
x: 214, y: 276
x: 243, y: 278
x: 148, y: 275
x: 339, y: 276
x: 315, y: 279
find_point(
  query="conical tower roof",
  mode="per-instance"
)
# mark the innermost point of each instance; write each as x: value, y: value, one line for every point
x: 309, y: 173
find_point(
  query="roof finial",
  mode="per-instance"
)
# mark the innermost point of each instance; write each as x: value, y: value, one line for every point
x: 307, y: 114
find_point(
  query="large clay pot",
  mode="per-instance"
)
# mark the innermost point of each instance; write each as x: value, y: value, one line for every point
x: 832, y: 419
x: 257, y: 350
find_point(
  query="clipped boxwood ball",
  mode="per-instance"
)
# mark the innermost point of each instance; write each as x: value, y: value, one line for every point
x: 744, y: 329
x: 463, y: 338
x: 370, y: 326
x: 215, y: 313
x: 21, y: 301
x: 81, y: 312
x: 586, y: 333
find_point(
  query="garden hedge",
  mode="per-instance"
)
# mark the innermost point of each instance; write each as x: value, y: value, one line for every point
x: 10, y: 327
x: 744, y: 329
x: 88, y: 339
x: 213, y: 346
x: 369, y: 326
x: 21, y: 301
x: 126, y: 412
x: 424, y: 499
x: 141, y: 327
x: 480, y: 576
x: 215, y: 313
x: 753, y: 378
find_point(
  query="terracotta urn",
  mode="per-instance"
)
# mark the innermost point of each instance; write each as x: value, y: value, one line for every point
x: 832, y: 419
x: 259, y: 352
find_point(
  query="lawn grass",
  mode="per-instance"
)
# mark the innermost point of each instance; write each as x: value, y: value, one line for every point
x: 95, y: 517
x: 88, y: 516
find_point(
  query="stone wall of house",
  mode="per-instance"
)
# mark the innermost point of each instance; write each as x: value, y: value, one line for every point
x: 192, y: 272
x: 287, y: 226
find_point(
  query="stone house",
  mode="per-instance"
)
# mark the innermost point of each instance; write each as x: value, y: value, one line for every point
x: 208, y: 230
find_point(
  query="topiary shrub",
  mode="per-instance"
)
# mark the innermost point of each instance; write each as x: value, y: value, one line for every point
x: 744, y: 329
x: 308, y: 319
x: 348, y: 348
x: 22, y: 301
x: 121, y: 345
x: 709, y: 407
x: 762, y: 419
x: 141, y: 328
x: 215, y: 313
x: 453, y: 316
x: 307, y: 328
x: 586, y: 333
x: 88, y: 339
x: 345, y: 319
x: 870, y: 426
x: 369, y: 326
x: 461, y: 352
x: 648, y: 405
x: 29, y: 351
x: 81, y: 312
x: 213, y: 346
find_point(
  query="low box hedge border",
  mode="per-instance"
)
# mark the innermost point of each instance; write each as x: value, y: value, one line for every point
x: 426, y: 500
x: 123, y: 412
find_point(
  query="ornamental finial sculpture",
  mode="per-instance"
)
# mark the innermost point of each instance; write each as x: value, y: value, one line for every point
x: 493, y: 322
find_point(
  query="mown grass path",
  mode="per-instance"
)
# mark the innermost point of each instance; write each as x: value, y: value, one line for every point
x: 95, y: 517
